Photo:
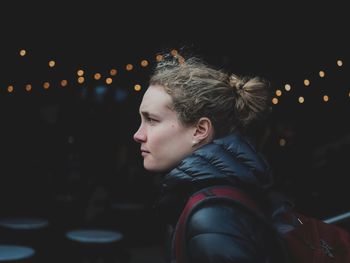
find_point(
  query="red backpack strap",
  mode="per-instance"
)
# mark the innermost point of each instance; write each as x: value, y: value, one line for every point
x: 179, y: 244
x: 237, y: 195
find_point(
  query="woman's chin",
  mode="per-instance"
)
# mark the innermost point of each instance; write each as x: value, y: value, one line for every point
x: 153, y: 168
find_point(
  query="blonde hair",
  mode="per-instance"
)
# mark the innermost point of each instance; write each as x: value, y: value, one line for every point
x: 199, y: 90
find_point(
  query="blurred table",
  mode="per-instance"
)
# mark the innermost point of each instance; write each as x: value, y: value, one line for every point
x: 32, y: 232
x: 94, y: 236
x: 15, y: 253
x: 24, y: 223
x: 96, y: 245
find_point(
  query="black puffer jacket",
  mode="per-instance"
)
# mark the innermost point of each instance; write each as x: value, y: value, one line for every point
x: 222, y: 232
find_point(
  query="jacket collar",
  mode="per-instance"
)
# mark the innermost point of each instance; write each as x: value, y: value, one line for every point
x: 231, y: 159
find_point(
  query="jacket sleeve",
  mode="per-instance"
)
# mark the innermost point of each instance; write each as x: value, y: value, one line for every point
x: 223, y: 233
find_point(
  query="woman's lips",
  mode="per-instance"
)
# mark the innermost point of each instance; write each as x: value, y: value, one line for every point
x: 144, y: 152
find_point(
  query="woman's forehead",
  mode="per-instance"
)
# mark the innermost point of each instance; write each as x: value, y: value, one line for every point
x: 155, y: 98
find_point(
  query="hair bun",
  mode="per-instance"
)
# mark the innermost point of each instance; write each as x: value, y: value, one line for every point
x: 252, y: 98
x: 237, y: 83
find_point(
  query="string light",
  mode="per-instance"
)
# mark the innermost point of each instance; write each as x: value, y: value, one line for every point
x: 173, y: 52
x: 287, y: 87
x: 112, y: 72
x: 10, y: 88
x: 52, y: 63
x: 306, y: 82
x: 282, y: 142
x: 159, y: 58
x: 64, y: 82
x: 80, y: 72
x: 137, y: 87
x: 144, y: 63
x: 22, y: 52
x: 97, y: 76
x: 28, y: 87
x: 46, y: 85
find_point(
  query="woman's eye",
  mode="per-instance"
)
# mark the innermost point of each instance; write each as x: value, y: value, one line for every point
x: 150, y: 120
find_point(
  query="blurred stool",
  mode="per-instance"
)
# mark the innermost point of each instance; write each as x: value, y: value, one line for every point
x: 26, y: 231
x: 96, y: 245
x: 24, y: 223
x: 13, y: 253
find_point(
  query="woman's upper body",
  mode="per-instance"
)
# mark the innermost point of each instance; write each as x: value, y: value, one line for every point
x: 192, y: 120
x: 222, y: 231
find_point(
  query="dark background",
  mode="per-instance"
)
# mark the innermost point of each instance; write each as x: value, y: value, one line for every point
x: 69, y: 156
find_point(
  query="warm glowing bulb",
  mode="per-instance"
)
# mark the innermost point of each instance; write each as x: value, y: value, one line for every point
x: 173, y: 52
x: 306, y: 82
x: 137, y: 87
x: 282, y: 142
x: 52, y: 63
x: 325, y: 98
x: 339, y: 62
x: 97, y: 76
x: 10, y: 88
x: 278, y: 92
x: 80, y: 72
x: 81, y: 80
x: 109, y: 80
x: 301, y: 99
x: 64, y: 82
x: 274, y: 100
x: 159, y: 58
x: 22, y: 52
x: 321, y: 73
x: 46, y: 85
x: 287, y: 87
x: 129, y: 67
x: 144, y: 63
x: 28, y: 87
x: 113, y: 72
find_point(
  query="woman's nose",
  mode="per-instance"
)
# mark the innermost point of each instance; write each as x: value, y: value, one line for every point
x: 140, y: 135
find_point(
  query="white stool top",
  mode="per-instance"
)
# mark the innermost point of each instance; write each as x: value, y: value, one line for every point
x: 12, y: 252
x: 94, y: 236
x: 24, y: 223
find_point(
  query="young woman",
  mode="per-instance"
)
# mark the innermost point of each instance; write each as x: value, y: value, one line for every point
x: 194, y: 118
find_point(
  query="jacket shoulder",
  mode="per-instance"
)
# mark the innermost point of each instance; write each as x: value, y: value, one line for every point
x: 223, y: 232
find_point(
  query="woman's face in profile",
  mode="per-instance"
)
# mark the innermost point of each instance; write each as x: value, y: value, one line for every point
x: 164, y: 140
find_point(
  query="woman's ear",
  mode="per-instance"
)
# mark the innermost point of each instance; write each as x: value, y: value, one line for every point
x: 203, y: 132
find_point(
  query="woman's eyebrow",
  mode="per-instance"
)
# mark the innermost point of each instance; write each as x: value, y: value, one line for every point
x: 148, y: 114
x: 145, y: 113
